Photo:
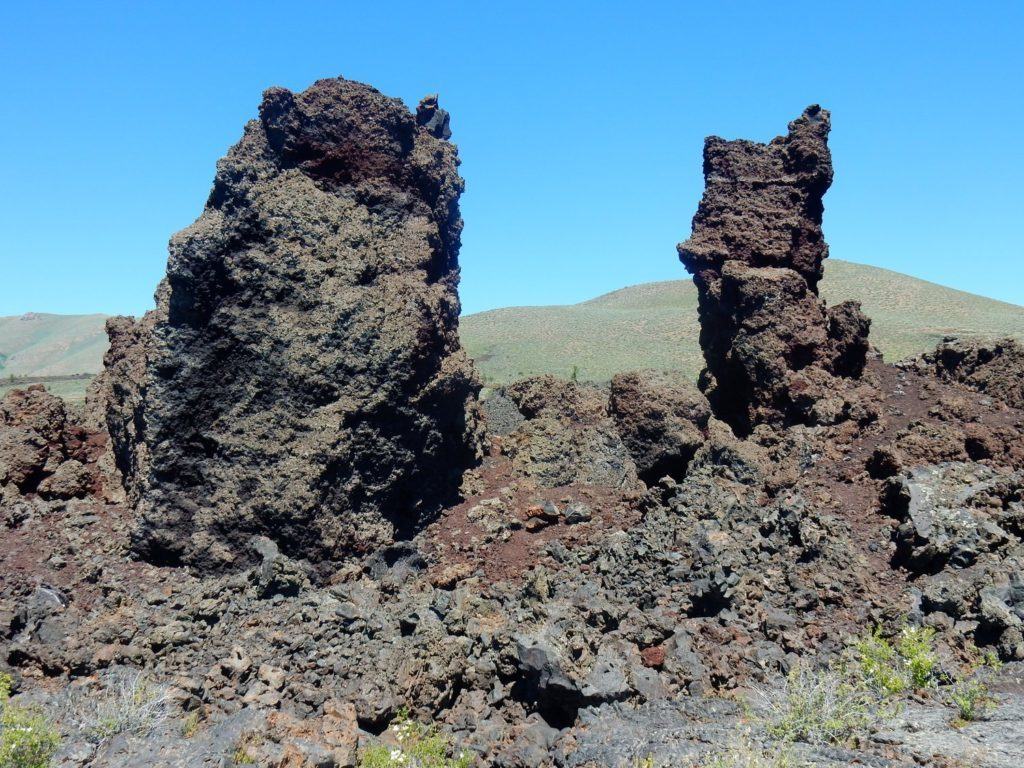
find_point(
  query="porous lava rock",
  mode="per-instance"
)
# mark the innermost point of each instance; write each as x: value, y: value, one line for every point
x: 756, y: 256
x: 993, y: 367
x: 114, y: 401
x: 301, y: 377
x: 953, y: 513
x: 42, y: 449
x: 566, y: 436
x: 662, y: 419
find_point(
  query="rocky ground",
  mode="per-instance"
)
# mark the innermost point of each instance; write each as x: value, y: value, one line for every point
x: 565, y: 613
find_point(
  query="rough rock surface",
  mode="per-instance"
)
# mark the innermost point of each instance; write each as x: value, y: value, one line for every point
x: 42, y: 449
x: 662, y: 419
x: 951, y: 514
x: 995, y: 368
x: 301, y: 377
x: 621, y: 574
x: 770, y: 345
x: 566, y: 435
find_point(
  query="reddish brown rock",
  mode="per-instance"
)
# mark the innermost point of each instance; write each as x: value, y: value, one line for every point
x: 756, y: 255
x: 115, y: 401
x: 550, y: 396
x: 41, y: 448
x: 993, y: 367
x: 653, y: 656
x: 662, y: 419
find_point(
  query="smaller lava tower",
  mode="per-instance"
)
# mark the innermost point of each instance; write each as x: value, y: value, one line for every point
x: 774, y: 353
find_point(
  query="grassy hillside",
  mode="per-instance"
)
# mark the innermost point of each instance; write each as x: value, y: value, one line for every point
x: 51, y: 345
x: 651, y: 325
x: 655, y: 325
x: 54, y: 349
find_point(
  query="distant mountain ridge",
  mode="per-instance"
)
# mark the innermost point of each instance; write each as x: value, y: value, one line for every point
x: 650, y: 325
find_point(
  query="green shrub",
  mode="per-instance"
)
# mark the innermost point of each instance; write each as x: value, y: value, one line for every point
x: 916, y: 646
x: 27, y: 739
x: 819, y: 707
x: 970, y: 694
x: 892, y: 670
x: 419, y: 746
x: 972, y: 700
x: 878, y: 665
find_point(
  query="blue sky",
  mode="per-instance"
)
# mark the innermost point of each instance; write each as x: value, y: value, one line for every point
x: 580, y: 127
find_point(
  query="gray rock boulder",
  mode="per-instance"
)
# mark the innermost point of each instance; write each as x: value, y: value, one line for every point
x: 952, y: 513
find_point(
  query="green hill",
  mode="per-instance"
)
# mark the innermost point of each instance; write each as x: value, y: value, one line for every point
x: 643, y: 326
x: 655, y: 325
x: 51, y: 345
x: 56, y: 349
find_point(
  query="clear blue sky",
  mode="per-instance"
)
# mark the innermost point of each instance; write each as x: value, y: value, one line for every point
x: 580, y: 127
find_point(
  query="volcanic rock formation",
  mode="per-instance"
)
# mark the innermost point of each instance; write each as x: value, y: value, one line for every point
x: 993, y: 367
x: 42, y: 450
x: 301, y: 377
x: 662, y: 419
x: 771, y: 347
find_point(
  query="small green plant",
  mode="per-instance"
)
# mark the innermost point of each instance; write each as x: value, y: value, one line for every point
x: 418, y: 746
x: 972, y: 700
x: 190, y: 724
x: 819, y: 706
x: 575, y: 376
x: 970, y: 694
x: 894, y: 669
x: 877, y: 664
x: 27, y: 739
x: 245, y: 746
x: 982, y: 660
x: 916, y: 646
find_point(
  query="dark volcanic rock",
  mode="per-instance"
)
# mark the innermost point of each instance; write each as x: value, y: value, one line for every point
x: 953, y: 513
x: 41, y: 448
x: 995, y: 368
x: 756, y: 255
x: 301, y: 377
x: 662, y: 419
x: 567, y: 436
x: 116, y: 397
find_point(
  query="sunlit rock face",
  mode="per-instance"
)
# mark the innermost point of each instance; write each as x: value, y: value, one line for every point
x: 772, y: 348
x: 301, y: 377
